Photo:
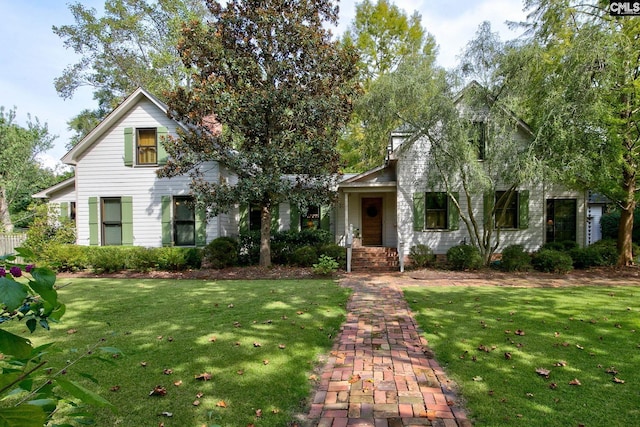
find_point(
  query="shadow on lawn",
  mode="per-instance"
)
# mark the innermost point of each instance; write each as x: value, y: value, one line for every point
x: 259, y: 340
x: 492, y: 340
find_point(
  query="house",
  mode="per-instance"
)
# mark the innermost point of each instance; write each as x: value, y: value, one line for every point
x: 116, y: 197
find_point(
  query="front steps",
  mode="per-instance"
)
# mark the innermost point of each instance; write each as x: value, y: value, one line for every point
x: 374, y: 259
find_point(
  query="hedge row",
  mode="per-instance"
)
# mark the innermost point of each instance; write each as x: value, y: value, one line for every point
x: 302, y: 249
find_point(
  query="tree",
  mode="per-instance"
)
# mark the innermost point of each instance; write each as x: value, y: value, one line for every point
x: 458, y: 124
x: 270, y: 94
x: 19, y: 147
x: 132, y: 45
x: 383, y: 35
x: 579, y: 80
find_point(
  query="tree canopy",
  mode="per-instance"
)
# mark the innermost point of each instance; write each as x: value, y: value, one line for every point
x: 271, y: 91
x: 132, y: 45
x: 579, y: 85
x: 384, y: 36
x: 20, y: 173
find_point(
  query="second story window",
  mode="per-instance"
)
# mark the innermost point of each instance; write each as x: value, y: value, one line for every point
x: 478, y: 138
x: 146, y: 147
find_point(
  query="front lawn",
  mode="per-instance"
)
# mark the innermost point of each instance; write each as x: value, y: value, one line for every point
x: 537, y: 356
x: 228, y: 353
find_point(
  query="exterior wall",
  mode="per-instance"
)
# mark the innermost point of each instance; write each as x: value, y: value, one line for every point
x: 101, y: 172
x: 411, y: 179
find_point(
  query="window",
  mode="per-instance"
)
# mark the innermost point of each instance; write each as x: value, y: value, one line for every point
x: 146, y: 147
x: 561, y: 220
x: 436, y: 210
x: 255, y: 217
x: 506, y: 209
x: 477, y: 138
x: 310, y: 219
x: 72, y: 211
x: 184, y: 221
x: 111, y: 214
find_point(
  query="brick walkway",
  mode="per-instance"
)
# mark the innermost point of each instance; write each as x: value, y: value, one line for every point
x: 380, y: 372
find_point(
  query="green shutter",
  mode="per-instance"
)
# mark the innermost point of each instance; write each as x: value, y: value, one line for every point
x: 453, y: 212
x: 161, y: 135
x: 201, y: 227
x: 128, y: 146
x: 294, y: 218
x: 243, y: 223
x: 418, y: 211
x: 127, y: 220
x: 93, y: 221
x: 523, y: 209
x: 325, y: 218
x: 165, y: 207
x: 488, y: 203
x: 64, y: 211
x: 275, y: 217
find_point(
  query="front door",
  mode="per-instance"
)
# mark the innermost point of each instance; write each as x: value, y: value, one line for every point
x: 372, y: 221
x: 561, y: 220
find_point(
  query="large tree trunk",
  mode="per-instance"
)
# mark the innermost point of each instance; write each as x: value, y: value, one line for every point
x: 265, y: 237
x: 5, y: 219
x: 625, y: 230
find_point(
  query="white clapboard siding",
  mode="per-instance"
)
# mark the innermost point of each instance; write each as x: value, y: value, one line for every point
x: 101, y: 172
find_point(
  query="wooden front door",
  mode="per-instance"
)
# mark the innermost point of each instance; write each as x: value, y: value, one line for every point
x: 372, y: 221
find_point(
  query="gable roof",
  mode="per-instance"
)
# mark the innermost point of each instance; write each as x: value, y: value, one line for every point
x: 71, y: 158
x: 47, y: 193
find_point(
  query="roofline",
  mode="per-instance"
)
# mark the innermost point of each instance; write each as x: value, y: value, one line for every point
x: 46, y: 193
x: 71, y: 158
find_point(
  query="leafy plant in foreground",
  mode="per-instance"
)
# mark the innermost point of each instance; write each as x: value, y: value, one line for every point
x: 27, y: 293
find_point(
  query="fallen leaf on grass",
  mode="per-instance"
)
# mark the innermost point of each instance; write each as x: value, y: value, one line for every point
x: 579, y: 347
x: 213, y: 339
x: 611, y: 371
x: 282, y: 346
x: 72, y: 331
x: 196, y: 403
x: 115, y: 388
x: 240, y: 372
x: 553, y: 386
x: 313, y: 377
x: 507, y: 355
x: 544, y: 372
x: 618, y: 380
x: 178, y: 383
x: 199, y: 395
x: 205, y: 376
x: 158, y: 391
x: 265, y: 362
x: 300, y: 312
x: 519, y: 332
x: 166, y: 414
x: 221, y: 404
x: 257, y: 344
x: 477, y: 378
x: 575, y: 381
x: 143, y: 364
x: 168, y: 371
x: 560, y: 364
x: 258, y: 413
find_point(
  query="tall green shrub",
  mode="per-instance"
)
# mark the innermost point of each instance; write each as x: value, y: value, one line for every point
x: 464, y: 257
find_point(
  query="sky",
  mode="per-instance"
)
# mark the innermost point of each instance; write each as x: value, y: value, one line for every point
x: 32, y: 56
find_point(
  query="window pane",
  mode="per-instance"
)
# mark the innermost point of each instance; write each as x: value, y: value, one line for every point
x: 111, y: 211
x: 183, y: 209
x: 146, y: 146
x: 112, y: 234
x: 185, y: 234
x: 506, y: 209
x: 436, y: 205
x: 254, y: 218
x: 311, y: 219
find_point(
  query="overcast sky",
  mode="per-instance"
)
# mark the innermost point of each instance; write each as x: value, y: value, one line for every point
x: 32, y: 56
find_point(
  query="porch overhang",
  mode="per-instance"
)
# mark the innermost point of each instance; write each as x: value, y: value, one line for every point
x: 369, y: 187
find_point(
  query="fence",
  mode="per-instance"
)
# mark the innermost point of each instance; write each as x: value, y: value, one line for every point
x: 10, y: 241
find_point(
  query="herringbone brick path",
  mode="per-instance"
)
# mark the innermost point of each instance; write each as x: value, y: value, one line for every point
x: 380, y: 372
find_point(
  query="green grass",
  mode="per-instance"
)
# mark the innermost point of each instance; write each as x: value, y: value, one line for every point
x: 591, y: 329
x: 170, y: 324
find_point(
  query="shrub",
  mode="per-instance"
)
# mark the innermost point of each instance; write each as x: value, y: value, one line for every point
x: 600, y: 254
x: 61, y: 257
x: 177, y: 258
x: 46, y: 229
x: 337, y: 252
x: 325, y: 266
x: 106, y: 259
x: 514, y: 258
x: 140, y: 259
x: 551, y: 261
x: 221, y: 252
x: 421, y: 256
x: 464, y: 257
x: 305, y: 256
